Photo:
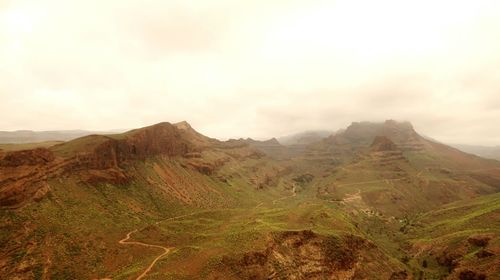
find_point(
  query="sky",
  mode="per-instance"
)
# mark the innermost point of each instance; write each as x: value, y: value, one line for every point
x: 258, y: 68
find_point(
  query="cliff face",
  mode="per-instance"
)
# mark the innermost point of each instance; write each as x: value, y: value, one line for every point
x: 96, y: 159
x: 27, y: 157
x: 23, y: 175
x: 382, y: 143
x: 161, y: 139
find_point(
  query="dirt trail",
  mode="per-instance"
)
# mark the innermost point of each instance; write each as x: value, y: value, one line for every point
x: 369, y: 182
x: 353, y: 197
x: 165, y: 249
x: 356, y: 200
x: 294, y: 193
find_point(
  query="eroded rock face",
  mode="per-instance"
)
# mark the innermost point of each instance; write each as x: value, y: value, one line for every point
x: 473, y: 257
x: 480, y: 240
x: 24, y: 174
x: 365, y: 133
x: 161, y: 139
x: 382, y: 143
x: 303, y: 255
x: 94, y: 159
x: 471, y: 275
x: 27, y: 157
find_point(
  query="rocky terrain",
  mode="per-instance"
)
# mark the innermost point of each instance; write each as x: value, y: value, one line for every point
x: 373, y: 201
x: 307, y: 255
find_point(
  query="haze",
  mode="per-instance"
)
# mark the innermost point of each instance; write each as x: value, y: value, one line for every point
x: 253, y: 68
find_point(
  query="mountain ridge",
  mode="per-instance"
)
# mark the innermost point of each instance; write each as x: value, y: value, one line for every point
x: 241, y: 203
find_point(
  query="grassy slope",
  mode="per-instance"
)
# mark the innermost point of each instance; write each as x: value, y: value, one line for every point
x: 76, y: 229
x: 444, y: 234
x: 203, y: 239
x: 74, y: 232
x: 27, y: 146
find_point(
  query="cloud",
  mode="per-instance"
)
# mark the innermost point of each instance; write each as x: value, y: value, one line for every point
x: 257, y: 68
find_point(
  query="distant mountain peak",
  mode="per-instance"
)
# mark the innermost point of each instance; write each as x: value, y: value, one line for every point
x: 269, y: 142
x: 305, y: 137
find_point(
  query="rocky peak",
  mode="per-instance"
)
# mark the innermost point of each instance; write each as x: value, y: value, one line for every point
x: 382, y: 143
x: 269, y: 142
x: 273, y: 141
x: 194, y: 136
x: 184, y: 125
x: 102, y: 152
x: 365, y: 132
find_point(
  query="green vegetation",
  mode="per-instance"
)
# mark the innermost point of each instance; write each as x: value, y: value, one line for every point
x: 229, y: 209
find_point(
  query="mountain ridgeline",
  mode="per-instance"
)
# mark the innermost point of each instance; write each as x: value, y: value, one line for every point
x: 372, y: 201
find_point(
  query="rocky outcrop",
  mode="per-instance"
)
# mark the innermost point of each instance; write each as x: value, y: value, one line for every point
x: 385, y: 153
x: 96, y: 159
x: 471, y: 275
x: 161, y: 139
x: 382, y: 143
x: 26, y: 157
x: 360, y: 134
x: 479, y: 240
x: 304, y: 255
x: 23, y: 175
x: 466, y: 257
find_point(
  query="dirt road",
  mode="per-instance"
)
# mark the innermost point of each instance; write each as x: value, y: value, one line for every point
x: 166, y: 250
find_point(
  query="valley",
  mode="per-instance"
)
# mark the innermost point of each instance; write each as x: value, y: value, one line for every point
x: 375, y: 201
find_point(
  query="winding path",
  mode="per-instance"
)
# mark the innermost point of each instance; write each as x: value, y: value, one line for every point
x: 165, y: 249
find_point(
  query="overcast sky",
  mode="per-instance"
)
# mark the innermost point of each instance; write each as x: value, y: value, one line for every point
x: 255, y: 68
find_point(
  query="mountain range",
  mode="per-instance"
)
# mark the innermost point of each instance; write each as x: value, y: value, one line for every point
x: 371, y: 201
x: 482, y: 151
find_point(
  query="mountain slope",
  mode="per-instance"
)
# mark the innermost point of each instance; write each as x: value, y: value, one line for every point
x: 28, y: 136
x: 407, y: 172
x: 461, y: 238
x: 482, y: 151
x: 304, y: 138
x: 353, y: 206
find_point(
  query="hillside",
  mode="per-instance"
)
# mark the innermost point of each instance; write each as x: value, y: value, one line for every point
x: 165, y: 202
x: 304, y: 138
x: 461, y: 238
x: 29, y: 136
x: 482, y: 151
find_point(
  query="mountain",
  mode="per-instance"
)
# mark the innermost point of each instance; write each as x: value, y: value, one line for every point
x: 271, y: 147
x: 482, y: 151
x: 29, y: 136
x: 428, y: 174
x: 373, y: 201
x: 101, y: 159
x: 304, y: 138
